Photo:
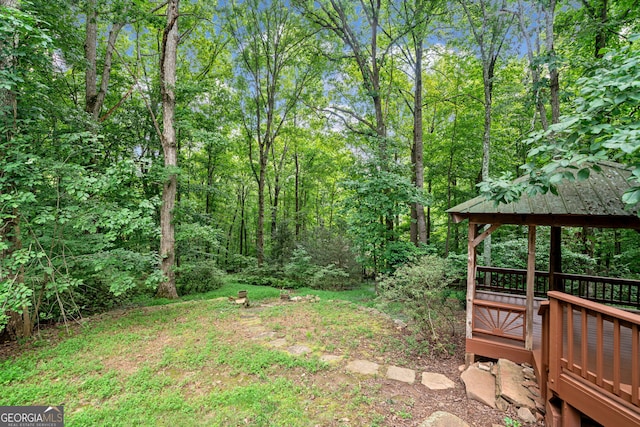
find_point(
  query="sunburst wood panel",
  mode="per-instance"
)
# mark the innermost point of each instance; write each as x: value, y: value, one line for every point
x: 499, y: 319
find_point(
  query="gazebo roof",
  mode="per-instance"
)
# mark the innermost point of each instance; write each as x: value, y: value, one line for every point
x: 594, y: 202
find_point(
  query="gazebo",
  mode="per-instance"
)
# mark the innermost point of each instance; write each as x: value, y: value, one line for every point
x: 585, y: 352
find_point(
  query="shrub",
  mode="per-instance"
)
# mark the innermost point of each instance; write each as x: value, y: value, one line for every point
x: 265, y: 276
x: 303, y: 272
x: 300, y: 269
x: 198, y: 277
x: 421, y: 288
x: 330, y: 278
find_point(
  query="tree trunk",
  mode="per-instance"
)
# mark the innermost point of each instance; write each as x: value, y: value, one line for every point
x: 297, y: 193
x: 20, y: 325
x: 94, y: 98
x: 167, y: 288
x: 419, y: 229
x: 90, y: 55
x: 554, y: 84
x: 601, y: 32
x: 533, y: 66
x: 487, y: 77
x: 260, y: 225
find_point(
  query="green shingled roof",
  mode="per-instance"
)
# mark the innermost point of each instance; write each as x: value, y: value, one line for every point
x: 578, y: 203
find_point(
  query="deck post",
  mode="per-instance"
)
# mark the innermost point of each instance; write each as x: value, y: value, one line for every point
x: 471, y: 277
x: 555, y: 260
x: 531, y: 278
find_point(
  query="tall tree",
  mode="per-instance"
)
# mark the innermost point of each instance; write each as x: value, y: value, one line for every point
x: 274, y: 70
x: 10, y: 232
x: 95, y: 93
x: 359, y: 26
x: 416, y: 16
x: 490, y: 27
x: 168, y: 59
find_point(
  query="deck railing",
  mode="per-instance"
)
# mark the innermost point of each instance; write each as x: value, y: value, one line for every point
x: 606, y: 290
x: 593, y: 351
x: 510, y: 281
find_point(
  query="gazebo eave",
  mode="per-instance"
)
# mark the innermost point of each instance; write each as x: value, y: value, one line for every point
x: 631, y: 222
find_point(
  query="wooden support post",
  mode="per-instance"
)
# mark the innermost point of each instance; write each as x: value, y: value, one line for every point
x: 555, y: 259
x: 531, y: 280
x: 570, y: 416
x: 471, y: 277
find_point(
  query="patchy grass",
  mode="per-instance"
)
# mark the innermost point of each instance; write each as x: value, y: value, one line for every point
x: 206, y: 361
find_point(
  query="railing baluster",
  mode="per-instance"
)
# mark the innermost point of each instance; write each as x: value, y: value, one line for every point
x: 616, y: 356
x: 570, y: 336
x: 635, y: 369
x: 616, y: 370
x: 584, y: 341
x: 599, y: 350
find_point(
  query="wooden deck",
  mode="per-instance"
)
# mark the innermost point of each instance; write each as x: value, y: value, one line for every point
x: 586, y: 354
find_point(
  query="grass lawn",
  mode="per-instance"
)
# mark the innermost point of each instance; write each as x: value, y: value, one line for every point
x: 206, y: 361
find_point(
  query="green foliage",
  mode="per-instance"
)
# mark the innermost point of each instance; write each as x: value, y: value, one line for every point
x: 265, y: 276
x: 330, y: 277
x: 510, y: 422
x: 302, y: 272
x: 198, y: 277
x: 300, y: 268
x: 604, y: 125
x: 376, y: 196
x: 421, y: 287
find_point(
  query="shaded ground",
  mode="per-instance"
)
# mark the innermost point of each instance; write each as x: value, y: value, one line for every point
x: 218, y: 364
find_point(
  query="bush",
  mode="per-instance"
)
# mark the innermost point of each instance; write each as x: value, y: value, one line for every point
x: 198, y: 277
x: 265, y: 276
x: 300, y: 269
x: 236, y: 263
x: 421, y: 288
x: 303, y: 272
x: 330, y: 278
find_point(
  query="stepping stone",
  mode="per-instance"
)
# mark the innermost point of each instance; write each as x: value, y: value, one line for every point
x: 299, y: 350
x: 480, y: 385
x: 250, y: 321
x: 280, y: 342
x: 401, y: 374
x: 434, y: 381
x: 526, y: 416
x: 330, y: 358
x: 509, y: 380
x: 443, y: 419
x: 266, y: 335
x: 363, y: 367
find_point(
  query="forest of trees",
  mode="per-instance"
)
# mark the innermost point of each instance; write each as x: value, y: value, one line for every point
x: 152, y: 147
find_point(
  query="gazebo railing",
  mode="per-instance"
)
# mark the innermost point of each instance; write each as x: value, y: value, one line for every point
x: 592, y: 354
x: 510, y: 281
x: 606, y: 290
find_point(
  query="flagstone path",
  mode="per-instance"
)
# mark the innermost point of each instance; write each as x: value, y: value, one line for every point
x: 481, y: 385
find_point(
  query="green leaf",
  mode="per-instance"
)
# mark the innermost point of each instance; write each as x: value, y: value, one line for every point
x: 583, y: 174
x: 631, y: 197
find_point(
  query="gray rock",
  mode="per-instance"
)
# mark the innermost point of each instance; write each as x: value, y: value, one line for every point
x: 401, y: 374
x: 363, y: 367
x: 509, y: 382
x: 280, y: 342
x: 485, y: 366
x: 299, y: 350
x: 502, y: 404
x: 526, y: 416
x: 480, y: 385
x: 330, y: 358
x: 443, y: 419
x: 434, y: 381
